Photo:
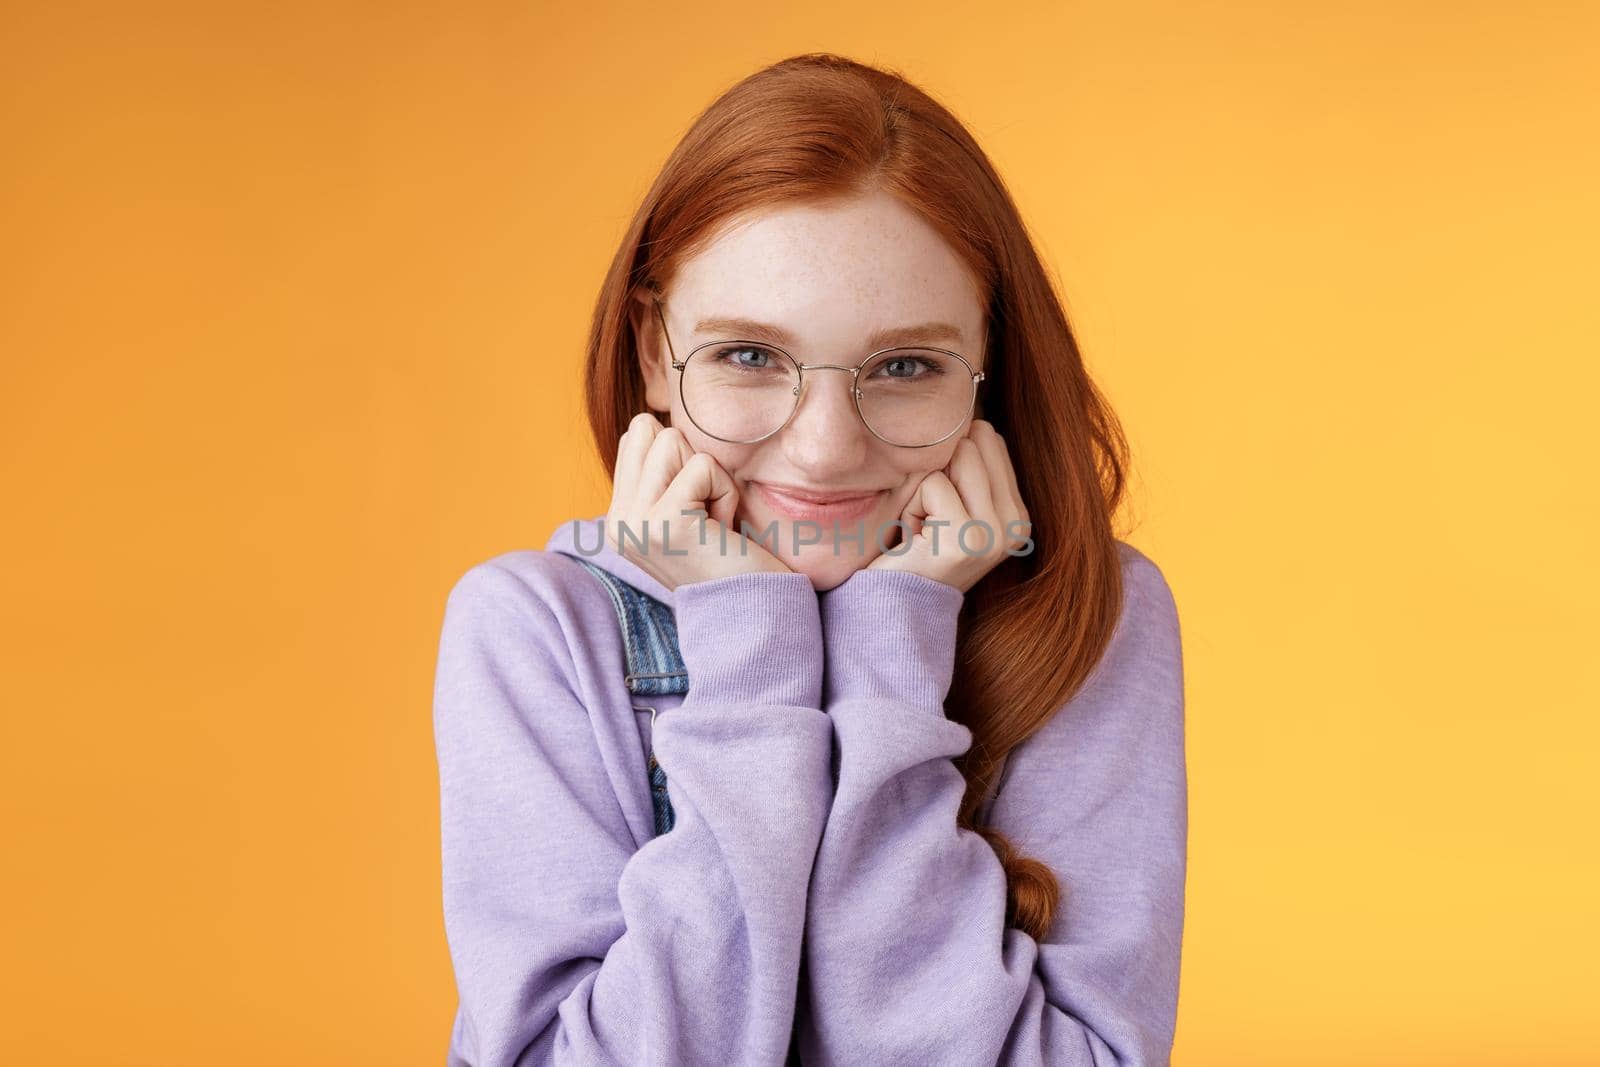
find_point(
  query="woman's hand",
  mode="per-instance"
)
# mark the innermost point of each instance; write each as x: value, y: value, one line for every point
x: 979, y: 486
x: 658, y: 478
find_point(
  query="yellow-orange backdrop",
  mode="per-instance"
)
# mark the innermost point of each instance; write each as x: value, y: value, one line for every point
x: 293, y: 305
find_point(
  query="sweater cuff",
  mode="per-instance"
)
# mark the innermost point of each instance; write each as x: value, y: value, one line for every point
x: 890, y: 635
x: 753, y: 638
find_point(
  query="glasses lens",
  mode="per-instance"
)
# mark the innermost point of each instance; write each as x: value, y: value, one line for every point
x: 914, y: 396
x: 738, y: 391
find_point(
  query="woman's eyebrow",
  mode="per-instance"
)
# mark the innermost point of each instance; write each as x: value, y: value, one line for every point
x: 889, y: 337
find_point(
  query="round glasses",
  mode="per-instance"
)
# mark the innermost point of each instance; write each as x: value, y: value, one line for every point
x: 745, y: 391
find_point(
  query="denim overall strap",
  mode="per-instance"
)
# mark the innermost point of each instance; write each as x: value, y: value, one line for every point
x: 653, y: 664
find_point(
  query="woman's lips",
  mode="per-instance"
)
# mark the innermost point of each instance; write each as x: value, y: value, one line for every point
x: 795, y: 507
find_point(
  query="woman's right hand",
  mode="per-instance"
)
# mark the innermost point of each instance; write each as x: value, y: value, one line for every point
x: 659, y: 477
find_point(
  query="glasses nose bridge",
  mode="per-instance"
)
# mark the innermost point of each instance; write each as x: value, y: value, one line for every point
x: 854, y: 394
x: 829, y: 366
x: 854, y: 372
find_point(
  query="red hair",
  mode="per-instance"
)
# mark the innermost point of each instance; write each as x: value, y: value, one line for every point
x: 822, y: 127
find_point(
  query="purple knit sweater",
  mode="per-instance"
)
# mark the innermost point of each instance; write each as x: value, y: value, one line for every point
x: 579, y: 938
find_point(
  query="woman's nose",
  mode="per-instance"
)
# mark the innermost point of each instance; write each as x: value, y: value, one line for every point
x: 825, y: 436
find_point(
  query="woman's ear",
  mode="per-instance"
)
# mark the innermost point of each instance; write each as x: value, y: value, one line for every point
x: 652, y: 350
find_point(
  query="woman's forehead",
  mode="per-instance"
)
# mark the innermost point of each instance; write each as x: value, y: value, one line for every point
x: 870, y: 241
x: 843, y: 271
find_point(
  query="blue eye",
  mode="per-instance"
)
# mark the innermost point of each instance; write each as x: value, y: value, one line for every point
x: 760, y: 362
x: 909, y: 367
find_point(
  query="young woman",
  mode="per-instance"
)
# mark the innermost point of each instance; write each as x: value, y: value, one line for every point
x: 782, y: 759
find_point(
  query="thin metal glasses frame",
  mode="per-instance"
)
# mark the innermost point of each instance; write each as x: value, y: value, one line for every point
x: 855, y: 391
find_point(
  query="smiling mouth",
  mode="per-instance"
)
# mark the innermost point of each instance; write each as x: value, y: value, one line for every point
x: 800, y: 504
x: 811, y: 496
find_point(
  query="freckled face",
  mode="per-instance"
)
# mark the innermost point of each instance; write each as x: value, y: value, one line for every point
x: 831, y: 275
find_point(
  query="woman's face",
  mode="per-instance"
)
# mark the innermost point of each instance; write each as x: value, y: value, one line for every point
x: 829, y: 275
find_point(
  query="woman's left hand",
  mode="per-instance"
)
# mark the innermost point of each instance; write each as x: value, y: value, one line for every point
x: 979, y: 486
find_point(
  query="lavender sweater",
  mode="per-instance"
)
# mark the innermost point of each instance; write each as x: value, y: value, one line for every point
x: 579, y: 938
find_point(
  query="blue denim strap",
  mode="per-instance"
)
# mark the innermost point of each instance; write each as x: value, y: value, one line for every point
x: 649, y: 636
x: 653, y: 665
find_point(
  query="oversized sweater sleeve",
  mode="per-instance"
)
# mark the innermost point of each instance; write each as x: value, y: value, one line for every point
x: 908, y: 953
x: 572, y: 944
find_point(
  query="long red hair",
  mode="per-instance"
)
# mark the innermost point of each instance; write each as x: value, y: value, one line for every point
x: 819, y: 127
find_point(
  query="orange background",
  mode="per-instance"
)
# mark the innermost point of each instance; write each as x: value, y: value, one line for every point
x: 293, y: 305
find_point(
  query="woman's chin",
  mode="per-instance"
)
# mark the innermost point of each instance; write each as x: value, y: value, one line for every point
x: 826, y: 562
x: 823, y: 567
